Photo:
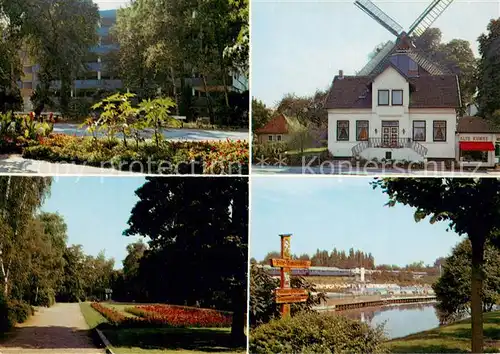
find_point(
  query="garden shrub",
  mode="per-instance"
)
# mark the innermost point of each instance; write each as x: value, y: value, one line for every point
x: 170, y: 157
x: 46, y: 298
x: 19, y: 311
x: 312, y: 332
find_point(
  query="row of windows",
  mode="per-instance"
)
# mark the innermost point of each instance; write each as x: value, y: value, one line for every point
x: 396, y: 98
x: 274, y: 138
x: 392, y: 127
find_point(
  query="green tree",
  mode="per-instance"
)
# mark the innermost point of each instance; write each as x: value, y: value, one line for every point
x: 470, y: 206
x: 59, y: 34
x: 190, y: 223
x: 488, y: 96
x: 453, y: 287
x: 20, y: 198
x: 260, y: 114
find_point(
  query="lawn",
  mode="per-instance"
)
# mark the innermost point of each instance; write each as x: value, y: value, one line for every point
x: 159, y: 339
x: 308, y: 151
x: 92, y: 317
x: 454, y: 338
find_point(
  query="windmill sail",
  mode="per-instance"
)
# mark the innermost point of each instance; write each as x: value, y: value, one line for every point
x: 377, y: 59
x: 380, y: 16
x: 427, y: 18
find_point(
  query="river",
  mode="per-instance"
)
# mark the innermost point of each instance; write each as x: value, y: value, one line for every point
x: 400, y: 320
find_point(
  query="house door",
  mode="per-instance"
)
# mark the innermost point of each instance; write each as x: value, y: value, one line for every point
x: 390, y: 133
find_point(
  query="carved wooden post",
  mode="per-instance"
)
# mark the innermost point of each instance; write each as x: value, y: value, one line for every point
x: 285, y: 295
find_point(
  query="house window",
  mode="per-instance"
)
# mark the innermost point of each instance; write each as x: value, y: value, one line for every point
x: 413, y: 66
x: 270, y: 138
x: 278, y: 137
x: 361, y: 130
x: 342, y: 130
x: 383, y: 97
x: 439, y: 130
x: 397, y: 97
x: 419, y: 130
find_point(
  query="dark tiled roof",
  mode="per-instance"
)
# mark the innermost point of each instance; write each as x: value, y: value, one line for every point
x: 434, y: 92
x: 475, y: 125
x: 277, y: 125
x: 425, y: 92
x: 350, y: 92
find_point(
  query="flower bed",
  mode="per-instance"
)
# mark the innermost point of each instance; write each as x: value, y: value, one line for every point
x: 112, y: 316
x: 181, y: 316
x: 230, y: 157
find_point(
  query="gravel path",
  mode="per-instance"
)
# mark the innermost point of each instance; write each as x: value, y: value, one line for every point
x: 59, y: 329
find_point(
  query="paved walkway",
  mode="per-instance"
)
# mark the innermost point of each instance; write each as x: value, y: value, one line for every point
x: 17, y: 164
x: 58, y: 329
x: 169, y: 134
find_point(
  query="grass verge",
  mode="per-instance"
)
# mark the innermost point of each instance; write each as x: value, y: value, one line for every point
x: 454, y: 338
x: 170, y: 340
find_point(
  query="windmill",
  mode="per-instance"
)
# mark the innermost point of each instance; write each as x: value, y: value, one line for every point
x: 421, y: 24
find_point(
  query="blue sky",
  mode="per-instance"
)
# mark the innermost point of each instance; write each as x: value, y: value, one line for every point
x: 96, y: 210
x: 299, y: 46
x: 340, y: 212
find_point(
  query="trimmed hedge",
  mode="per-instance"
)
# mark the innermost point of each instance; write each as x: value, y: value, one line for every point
x: 312, y: 332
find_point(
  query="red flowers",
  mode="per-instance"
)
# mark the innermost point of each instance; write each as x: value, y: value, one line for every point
x: 181, y: 316
x: 112, y: 316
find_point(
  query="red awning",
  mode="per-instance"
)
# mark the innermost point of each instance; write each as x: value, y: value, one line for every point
x: 477, y: 146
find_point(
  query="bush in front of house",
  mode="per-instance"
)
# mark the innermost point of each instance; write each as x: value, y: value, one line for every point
x: 312, y: 332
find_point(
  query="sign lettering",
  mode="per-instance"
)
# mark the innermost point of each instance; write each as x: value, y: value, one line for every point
x: 285, y: 295
x: 288, y: 299
x: 290, y: 263
x: 474, y: 138
x: 291, y: 292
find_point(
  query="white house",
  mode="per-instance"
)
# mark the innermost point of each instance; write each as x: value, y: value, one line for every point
x: 393, y: 115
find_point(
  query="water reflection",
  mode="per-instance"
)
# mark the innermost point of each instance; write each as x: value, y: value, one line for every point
x: 400, y: 320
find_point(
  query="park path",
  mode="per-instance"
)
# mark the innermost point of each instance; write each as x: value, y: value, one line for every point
x: 58, y: 329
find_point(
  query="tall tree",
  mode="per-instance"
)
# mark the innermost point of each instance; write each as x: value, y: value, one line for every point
x: 260, y: 114
x: 60, y: 34
x: 190, y: 223
x: 489, y: 72
x: 20, y: 197
x: 453, y: 287
x: 470, y: 206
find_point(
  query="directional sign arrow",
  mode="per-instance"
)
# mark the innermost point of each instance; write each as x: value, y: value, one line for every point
x: 286, y: 299
x: 291, y: 291
x: 290, y: 263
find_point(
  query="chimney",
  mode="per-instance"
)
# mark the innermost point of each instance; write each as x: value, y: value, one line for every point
x: 341, y: 74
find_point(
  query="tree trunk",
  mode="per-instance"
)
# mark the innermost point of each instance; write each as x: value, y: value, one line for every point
x: 226, y: 92
x: 476, y: 294
x: 172, y: 77
x: 238, y: 336
x: 209, y: 103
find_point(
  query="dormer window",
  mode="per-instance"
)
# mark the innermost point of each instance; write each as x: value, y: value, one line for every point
x: 413, y: 66
x: 397, y: 97
x: 383, y: 97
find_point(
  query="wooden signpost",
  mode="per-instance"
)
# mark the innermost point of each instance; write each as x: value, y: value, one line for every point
x: 286, y: 295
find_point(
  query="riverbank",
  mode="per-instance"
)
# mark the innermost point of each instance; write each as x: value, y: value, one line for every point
x: 454, y: 338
